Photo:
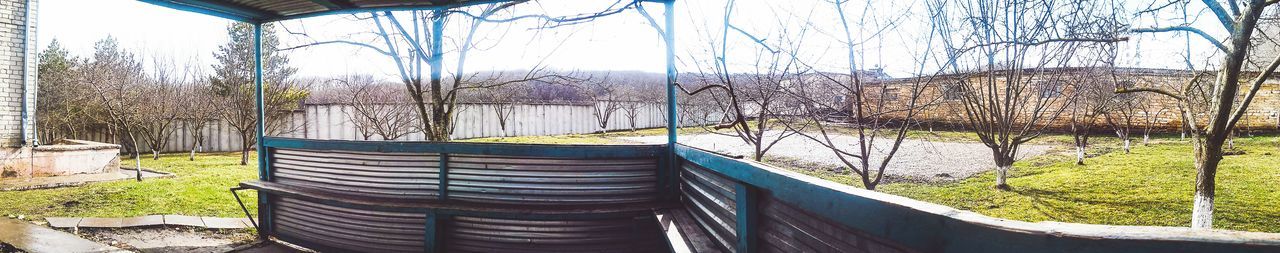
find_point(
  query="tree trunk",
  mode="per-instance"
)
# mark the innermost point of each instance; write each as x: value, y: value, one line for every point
x: 137, y: 159
x: 1146, y: 137
x: 193, y: 154
x: 244, y: 149
x: 1004, y: 163
x: 1206, y: 170
x: 1002, y: 172
x: 1126, y: 145
x: 1079, y: 155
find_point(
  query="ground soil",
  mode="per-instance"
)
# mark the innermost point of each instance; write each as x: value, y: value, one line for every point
x: 165, y: 239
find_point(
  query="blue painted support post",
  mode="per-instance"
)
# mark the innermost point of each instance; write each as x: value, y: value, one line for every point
x: 444, y: 176
x: 747, y: 213
x: 432, y: 236
x: 669, y: 34
x: 264, y: 168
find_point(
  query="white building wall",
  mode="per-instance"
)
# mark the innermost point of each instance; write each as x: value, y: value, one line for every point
x: 17, y: 57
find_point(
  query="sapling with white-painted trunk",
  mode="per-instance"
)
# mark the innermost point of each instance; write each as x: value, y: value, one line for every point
x: 1008, y: 93
x: 162, y: 108
x: 1121, y: 115
x: 1091, y: 98
x: 117, y: 79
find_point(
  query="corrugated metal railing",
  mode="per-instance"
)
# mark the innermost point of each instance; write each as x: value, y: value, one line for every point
x: 344, y: 196
x: 750, y: 207
x: 395, y: 196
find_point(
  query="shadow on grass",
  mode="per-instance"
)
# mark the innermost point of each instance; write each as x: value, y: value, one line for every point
x: 1068, y: 206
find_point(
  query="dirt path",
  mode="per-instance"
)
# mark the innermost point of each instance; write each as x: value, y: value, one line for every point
x: 915, y: 160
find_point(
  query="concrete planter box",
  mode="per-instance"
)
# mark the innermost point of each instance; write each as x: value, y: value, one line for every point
x: 70, y: 157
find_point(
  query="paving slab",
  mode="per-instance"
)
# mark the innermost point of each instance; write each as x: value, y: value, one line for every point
x: 247, y: 222
x: 183, y: 220
x: 63, y: 222
x: 101, y: 222
x: 149, y: 220
x: 32, y: 238
x: 266, y: 247
x: 214, y: 222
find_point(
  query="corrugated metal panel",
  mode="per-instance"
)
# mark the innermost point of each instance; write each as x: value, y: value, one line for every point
x: 709, y: 197
x: 475, y: 234
x: 784, y: 228
x: 348, y: 229
x: 381, y: 175
x: 546, y: 181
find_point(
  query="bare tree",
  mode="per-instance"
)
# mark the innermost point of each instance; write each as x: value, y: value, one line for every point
x: 377, y: 109
x: 1009, y: 45
x: 1120, y: 117
x: 879, y: 114
x: 504, y: 100
x: 1227, y: 101
x: 197, y: 114
x: 420, y: 45
x: 638, y: 94
x: 1091, y: 98
x: 161, y: 109
x: 116, y: 78
x: 631, y: 110
x: 604, y: 96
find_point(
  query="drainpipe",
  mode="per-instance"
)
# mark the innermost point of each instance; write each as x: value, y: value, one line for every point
x: 26, y: 74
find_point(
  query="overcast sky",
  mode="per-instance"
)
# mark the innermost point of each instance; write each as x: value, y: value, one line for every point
x: 623, y: 42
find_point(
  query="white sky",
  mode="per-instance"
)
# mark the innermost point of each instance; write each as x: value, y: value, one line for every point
x: 620, y: 42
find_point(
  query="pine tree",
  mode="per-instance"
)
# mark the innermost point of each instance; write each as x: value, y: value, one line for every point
x: 232, y: 83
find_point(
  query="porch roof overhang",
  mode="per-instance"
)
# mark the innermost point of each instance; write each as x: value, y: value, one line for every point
x: 263, y: 11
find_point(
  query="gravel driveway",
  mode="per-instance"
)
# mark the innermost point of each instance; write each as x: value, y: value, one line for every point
x: 915, y: 160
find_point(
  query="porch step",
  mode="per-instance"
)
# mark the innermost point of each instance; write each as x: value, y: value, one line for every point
x: 37, y: 239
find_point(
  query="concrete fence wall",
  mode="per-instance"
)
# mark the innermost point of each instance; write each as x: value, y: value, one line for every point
x: 332, y: 122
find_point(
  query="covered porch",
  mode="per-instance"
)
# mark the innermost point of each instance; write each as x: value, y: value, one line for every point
x: 385, y: 196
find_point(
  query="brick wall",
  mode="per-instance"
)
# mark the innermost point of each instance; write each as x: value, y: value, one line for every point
x: 14, y: 53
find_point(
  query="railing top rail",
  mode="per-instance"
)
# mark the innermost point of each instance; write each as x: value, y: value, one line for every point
x: 931, y: 227
x: 502, y: 149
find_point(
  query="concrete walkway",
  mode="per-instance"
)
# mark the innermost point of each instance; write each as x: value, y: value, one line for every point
x: 33, y: 238
x: 149, y: 220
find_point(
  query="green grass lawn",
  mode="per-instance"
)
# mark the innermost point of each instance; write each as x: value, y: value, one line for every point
x: 199, y: 188
x: 1152, y: 186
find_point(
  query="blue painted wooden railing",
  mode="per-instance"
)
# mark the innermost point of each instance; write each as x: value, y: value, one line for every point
x: 833, y: 215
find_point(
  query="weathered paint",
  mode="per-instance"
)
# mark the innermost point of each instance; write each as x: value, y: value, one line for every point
x: 533, y: 150
x: 747, y: 216
x: 711, y: 201
x: 926, y: 227
x: 376, y: 175
x: 264, y: 166
x: 386, y: 197
x: 350, y: 229
x: 623, y: 234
